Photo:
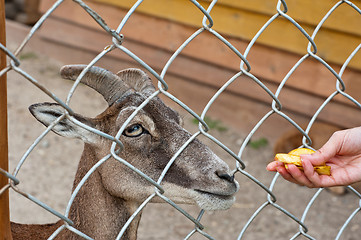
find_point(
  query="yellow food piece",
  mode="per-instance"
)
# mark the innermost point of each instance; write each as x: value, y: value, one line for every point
x: 288, y: 158
x: 322, y: 170
x: 301, y: 151
x: 293, y: 157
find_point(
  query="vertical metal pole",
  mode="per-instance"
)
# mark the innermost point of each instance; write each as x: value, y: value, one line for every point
x: 5, y: 232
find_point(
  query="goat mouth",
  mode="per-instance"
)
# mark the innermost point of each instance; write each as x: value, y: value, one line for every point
x: 224, y: 196
x: 214, y: 201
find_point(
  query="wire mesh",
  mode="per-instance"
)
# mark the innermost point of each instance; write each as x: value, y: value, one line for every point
x: 311, y: 52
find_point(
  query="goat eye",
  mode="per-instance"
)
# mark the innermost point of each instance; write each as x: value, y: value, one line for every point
x: 134, y: 130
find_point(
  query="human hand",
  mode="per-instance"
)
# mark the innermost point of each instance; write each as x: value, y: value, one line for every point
x: 342, y: 152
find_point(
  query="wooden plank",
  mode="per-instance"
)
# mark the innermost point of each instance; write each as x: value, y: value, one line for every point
x: 244, y: 24
x: 198, y: 72
x: 5, y: 232
x: 310, y: 12
x: 267, y: 63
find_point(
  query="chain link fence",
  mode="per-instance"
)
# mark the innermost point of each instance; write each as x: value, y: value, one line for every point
x: 245, y: 69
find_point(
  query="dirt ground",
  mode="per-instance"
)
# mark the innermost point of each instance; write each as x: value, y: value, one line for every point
x: 48, y: 172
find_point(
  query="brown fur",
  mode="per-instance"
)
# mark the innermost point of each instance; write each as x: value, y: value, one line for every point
x: 33, y: 231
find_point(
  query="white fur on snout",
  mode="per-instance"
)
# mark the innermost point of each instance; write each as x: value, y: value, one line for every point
x: 209, y: 191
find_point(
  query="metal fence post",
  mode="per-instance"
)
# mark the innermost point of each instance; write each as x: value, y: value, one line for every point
x: 5, y: 232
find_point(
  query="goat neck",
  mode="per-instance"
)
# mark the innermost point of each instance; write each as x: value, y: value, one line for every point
x: 95, y: 211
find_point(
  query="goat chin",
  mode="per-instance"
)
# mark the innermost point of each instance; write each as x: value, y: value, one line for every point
x: 212, y: 202
x: 205, y: 200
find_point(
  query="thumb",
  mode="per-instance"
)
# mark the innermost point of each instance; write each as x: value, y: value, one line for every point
x: 317, y: 158
x: 325, y: 153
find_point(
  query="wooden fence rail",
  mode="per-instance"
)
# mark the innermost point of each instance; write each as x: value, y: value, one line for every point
x: 5, y: 232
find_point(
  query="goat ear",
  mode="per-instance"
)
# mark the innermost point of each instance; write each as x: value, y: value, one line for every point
x: 47, y: 113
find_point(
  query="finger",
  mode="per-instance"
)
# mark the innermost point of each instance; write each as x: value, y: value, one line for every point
x: 299, y: 176
x: 293, y: 174
x: 272, y: 166
x: 316, y: 179
x: 310, y: 173
x: 285, y: 174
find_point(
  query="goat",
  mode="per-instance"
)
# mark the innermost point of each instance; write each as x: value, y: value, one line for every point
x: 113, y: 192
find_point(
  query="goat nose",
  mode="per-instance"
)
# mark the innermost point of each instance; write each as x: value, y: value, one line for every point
x: 225, y: 176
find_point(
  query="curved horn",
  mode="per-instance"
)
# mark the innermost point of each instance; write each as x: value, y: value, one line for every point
x: 108, y: 84
x: 137, y: 80
x: 111, y: 86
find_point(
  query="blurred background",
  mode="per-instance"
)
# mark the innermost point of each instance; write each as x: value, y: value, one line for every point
x: 154, y: 32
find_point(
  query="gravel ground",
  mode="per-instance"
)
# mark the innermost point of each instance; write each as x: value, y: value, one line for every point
x: 48, y: 173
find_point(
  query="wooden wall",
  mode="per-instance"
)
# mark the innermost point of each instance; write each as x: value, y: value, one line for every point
x: 242, y: 19
x: 157, y: 30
